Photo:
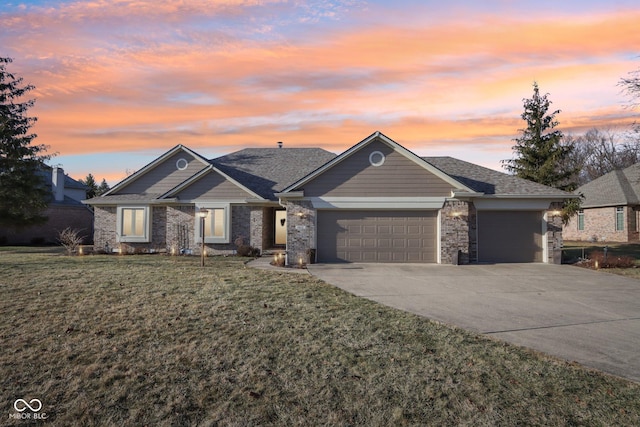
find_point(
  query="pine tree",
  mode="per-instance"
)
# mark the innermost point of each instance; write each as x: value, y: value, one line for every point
x: 540, y: 155
x: 90, y: 182
x: 23, y: 193
x: 103, y: 188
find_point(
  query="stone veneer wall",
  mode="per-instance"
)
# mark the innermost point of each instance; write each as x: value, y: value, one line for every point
x: 301, y: 231
x: 600, y: 225
x: 553, y: 238
x: 455, y: 232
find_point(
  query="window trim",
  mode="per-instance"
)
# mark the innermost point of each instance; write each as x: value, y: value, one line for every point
x: 226, y: 237
x: 146, y: 237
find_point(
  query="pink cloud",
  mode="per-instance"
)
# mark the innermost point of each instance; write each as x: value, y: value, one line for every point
x: 170, y: 81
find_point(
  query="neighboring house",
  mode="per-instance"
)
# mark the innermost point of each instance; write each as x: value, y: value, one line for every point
x: 376, y: 202
x: 609, y: 210
x: 64, y: 209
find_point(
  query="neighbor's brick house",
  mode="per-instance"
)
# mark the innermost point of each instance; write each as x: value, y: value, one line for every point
x: 375, y: 202
x: 610, y: 208
x: 64, y: 209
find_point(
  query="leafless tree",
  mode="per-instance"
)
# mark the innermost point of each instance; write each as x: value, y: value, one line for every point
x: 598, y: 152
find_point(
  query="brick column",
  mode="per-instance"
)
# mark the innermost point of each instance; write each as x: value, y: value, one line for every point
x: 454, y: 237
x: 301, y: 231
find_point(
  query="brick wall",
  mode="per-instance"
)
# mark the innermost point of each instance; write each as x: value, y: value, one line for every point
x: 105, y: 227
x: 600, y: 225
x: 59, y: 218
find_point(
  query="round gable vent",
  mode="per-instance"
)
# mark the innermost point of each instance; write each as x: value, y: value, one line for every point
x: 376, y: 158
x: 182, y: 164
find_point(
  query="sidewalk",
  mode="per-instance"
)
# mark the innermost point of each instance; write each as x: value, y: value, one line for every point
x: 264, y: 263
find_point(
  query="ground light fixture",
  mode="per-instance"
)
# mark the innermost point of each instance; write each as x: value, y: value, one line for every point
x: 202, y: 214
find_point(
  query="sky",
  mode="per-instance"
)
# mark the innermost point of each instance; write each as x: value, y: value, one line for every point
x: 120, y: 82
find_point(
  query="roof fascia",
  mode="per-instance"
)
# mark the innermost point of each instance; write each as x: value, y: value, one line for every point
x: 201, y: 174
x: 149, y: 167
x: 396, y: 147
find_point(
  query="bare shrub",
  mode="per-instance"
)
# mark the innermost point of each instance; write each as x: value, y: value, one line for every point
x: 611, y: 261
x: 70, y: 239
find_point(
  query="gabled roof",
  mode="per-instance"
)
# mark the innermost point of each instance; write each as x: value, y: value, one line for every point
x: 491, y: 182
x: 174, y: 191
x: 269, y: 170
x: 128, y: 180
x: 379, y: 136
x: 617, y: 188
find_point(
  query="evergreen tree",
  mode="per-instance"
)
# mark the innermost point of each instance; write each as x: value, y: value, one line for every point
x: 23, y: 193
x: 90, y: 182
x: 540, y: 155
x: 103, y: 188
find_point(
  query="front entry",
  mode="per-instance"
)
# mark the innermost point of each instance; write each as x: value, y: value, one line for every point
x: 280, y: 227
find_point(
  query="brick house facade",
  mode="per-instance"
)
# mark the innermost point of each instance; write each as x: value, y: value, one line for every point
x: 376, y: 202
x: 610, y: 208
x: 64, y: 209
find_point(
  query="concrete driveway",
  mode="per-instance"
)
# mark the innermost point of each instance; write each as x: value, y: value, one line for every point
x: 580, y: 315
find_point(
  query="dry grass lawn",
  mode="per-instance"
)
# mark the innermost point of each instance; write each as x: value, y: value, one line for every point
x: 154, y: 340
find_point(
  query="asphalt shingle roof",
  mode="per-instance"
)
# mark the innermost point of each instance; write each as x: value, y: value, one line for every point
x: 489, y: 181
x: 617, y: 188
x: 269, y: 170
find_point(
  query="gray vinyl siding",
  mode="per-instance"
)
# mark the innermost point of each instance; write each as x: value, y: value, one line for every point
x: 164, y: 176
x: 213, y: 186
x: 398, y: 176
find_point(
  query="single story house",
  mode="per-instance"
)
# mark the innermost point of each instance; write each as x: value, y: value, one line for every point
x: 375, y: 202
x: 64, y: 209
x: 610, y: 208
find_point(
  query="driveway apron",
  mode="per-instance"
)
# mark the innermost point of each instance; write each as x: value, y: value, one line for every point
x: 580, y: 315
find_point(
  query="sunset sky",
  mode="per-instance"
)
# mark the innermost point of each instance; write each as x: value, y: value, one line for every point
x: 119, y: 82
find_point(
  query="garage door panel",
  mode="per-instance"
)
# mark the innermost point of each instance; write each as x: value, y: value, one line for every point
x: 510, y: 236
x: 370, y: 236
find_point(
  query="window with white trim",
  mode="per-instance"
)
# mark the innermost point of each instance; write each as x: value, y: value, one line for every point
x: 619, y: 218
x: 581, y: 220
x: 216, y: 225
x: 134, y: 224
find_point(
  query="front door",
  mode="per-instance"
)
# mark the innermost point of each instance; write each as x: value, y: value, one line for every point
x: 281, y: 227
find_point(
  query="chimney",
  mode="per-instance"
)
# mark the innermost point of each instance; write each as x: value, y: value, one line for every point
x: 57, y: 181
x: 279, y: 144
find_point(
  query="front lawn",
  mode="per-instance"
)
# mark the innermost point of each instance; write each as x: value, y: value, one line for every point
x: 155, y: 340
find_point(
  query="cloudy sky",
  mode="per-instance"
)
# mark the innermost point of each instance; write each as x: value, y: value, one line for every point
x: 119, y: 82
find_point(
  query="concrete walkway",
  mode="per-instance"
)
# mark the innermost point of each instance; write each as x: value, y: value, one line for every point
x: 580, y: 315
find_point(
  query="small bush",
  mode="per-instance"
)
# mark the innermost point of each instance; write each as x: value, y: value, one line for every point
x: 70, y: 239
x: 611, y: 261
x: 248, y: 251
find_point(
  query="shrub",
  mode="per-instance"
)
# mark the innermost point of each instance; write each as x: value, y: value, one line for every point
x: 248, y: 251
x: 612, y: 261
x: 70, y: 239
